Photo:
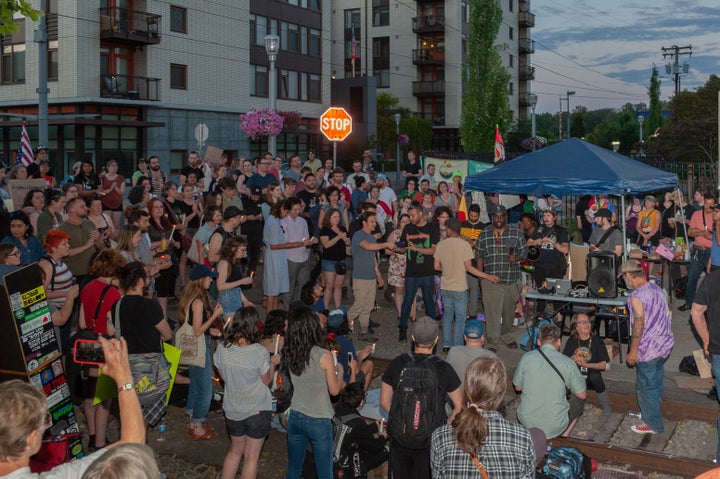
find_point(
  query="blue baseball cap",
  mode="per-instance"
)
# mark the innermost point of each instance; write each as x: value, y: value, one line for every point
x: 337, y: 316
x: 200, y: 271
x: 474, y: 329
x: 381, y: 176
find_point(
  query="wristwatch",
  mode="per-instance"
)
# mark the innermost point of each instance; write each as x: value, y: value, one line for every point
x: 125, y: 387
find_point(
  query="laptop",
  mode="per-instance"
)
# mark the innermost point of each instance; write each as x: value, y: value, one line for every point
x: 562, y: 286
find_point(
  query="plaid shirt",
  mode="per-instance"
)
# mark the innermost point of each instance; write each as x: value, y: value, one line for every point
x: 494, y: 252
x: 508, y: 452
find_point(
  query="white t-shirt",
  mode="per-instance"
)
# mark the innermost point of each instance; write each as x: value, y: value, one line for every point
x: 388, y: 196
x: 70, y: 470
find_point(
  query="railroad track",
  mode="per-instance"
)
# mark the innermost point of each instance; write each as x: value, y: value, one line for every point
x: 609, y: 440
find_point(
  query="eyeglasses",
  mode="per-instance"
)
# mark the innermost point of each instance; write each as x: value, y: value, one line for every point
x: 15, y: 253
x: 584, y: 321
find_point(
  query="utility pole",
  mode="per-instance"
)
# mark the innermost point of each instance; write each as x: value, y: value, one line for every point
x: 674, y: 67
x: 560, y: 115
x: 569, y: 94
x: 40, y: 37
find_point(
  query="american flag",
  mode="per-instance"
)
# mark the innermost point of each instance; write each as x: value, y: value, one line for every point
x: 353, y: 45
x: 25, y: 152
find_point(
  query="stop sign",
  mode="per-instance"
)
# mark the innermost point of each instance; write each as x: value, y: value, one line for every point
x: 336, y: 124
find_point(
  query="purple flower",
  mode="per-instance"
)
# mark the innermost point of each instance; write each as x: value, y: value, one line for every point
x: 259, y: 123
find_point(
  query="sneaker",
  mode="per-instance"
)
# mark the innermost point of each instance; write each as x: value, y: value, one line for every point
x: 519, y: 320
x: 642, y: 429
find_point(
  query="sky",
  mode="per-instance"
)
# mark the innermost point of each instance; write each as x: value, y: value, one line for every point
x: 604, y: 50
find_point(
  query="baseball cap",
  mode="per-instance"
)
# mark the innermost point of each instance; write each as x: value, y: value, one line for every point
x: 603, y: 213
x: 453, y: 224
x: 426, y: 330
x: 548, y: 209
x: 651, y: 198
x: 474, y: 329
x: 337, y: 316
x: 381, y: 176
x: 200, y: 271
x: 256, y: 190
x: 231, y: 212
x: 497, y: 210
x: 631, y: 266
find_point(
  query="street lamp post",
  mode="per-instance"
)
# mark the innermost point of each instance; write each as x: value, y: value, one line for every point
x: 397, y: 148
x: 272, y: 46
x: 532, y: 100
x: 641, y: 119
x: 569, y: 94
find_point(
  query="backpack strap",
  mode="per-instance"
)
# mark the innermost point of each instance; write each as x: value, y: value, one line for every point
x: 97, y: 309
x: 554, y: 368
x: 52, y: 278
x: 480, y: 467
x: 607, y: 234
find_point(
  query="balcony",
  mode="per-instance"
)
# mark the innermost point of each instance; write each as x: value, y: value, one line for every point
x: 130, y: 27
x: 429, y: 24
x: 429, y: 88
x: 429, y: 56
x: 125, y: 87
x: 526, y: 73
x: 437, y: 119
x: 526, y: 19
x: 526, y: 46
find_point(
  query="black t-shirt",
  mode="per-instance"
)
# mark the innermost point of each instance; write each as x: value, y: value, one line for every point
x: 187, y: 169
x: 413, y: 169
x: 580, y: 209
x: 186, y: 211
x: 309, y: 198
x: 419, y: 264
x: 705, y: 296
x: 252, y: 228
x: 593, y: 350
x: 87, y: 183
x: 138, y: 318
x: 549, y: 255
x: 448, y: 380
x: 336, y: 252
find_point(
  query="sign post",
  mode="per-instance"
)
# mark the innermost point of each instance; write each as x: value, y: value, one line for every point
x: 336, y: 125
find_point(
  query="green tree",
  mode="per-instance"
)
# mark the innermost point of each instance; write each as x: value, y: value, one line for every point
x: 485, y: 99
x: 655, y: 120
x: 8, y: 8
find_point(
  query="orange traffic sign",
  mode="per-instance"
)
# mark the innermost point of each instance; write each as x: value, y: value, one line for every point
x: 336, y: 124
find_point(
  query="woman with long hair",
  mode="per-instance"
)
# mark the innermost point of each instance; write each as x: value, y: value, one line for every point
x: 9, y: 259
x: 397, y: 264
x: 335, y: 240
x: 442, y: 214
x: 129, y: 239
x: 21, y: 235
x: 333, y: 202
x: 165, y: 244
x: 315, y: 376
x: 112, y: 189
x: 51, y: 216
x: 631, y: 217
x: 410, y: 189
x: 273, y: 196
x: 312, y: 296
x: 87, y: 180
x: 231, y: 275
x: 479, y: 436
x: 247, y: 371
x: 195, y: 307
x: 445, y: 198
x: 33, y: 205
x: 105, y: 226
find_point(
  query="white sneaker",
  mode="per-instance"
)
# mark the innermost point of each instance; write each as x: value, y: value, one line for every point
x: 519, y: 320
x: 642, y: 429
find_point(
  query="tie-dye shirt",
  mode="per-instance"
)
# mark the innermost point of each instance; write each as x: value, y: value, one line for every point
x: 657, y: 339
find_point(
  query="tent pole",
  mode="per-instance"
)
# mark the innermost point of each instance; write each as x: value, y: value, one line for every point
x: 682, y: 215
x: 624, y: 228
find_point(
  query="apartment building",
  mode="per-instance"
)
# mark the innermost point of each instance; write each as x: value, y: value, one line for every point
x: 415, y: 49
x: 132, y: 78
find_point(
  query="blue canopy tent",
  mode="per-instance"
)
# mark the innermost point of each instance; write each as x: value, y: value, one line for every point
x: 573, y: 167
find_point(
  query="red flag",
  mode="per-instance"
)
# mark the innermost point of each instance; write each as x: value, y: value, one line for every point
x: 462, y: 213
x: 499, y: 145
x: 25, y: 152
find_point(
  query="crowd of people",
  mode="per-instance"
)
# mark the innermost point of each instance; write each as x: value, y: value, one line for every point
x: 315, y: 233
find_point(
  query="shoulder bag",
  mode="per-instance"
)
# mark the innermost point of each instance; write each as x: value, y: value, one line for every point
x: 192, y: 347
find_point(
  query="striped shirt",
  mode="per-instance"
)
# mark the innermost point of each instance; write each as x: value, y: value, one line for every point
x: 657, y: 338
x: 242, y: 368
x: 62, y: 280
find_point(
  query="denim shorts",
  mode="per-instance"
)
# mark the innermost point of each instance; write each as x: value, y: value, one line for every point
x: 328, y: 265
x: 256, y: 426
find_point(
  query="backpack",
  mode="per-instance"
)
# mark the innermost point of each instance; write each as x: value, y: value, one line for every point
x: 347, y: 463
x: 417, y: 408
x: 564, y: 463
x: 528, y: 342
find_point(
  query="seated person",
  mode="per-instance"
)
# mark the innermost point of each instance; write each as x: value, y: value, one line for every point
x: 371, y: 442
x: 339, y: 326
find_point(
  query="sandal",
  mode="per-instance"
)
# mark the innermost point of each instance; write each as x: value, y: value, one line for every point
x: 208, y: 433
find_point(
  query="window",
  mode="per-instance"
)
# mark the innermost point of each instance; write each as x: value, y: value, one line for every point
x: 177, y: 160
x: 352, y: 18
x: 511, y: 33
x: 304, y: 40
x: 178, y: 76
x: 381, y: 16
x: 178, y: 19
x: 258, y: 30
x: 315, y: 5
x: 383, y: 78
x: 511, y: 88
x: 289, y: 85
x: 315, y: 42
x: 13, y: 55
x: 52, y: 60
x: 289, y: 37
x: 259, y: 80
x: 511, y: 61
x: 510, y: 5
x: 381, y: 46
x: 314, y: 88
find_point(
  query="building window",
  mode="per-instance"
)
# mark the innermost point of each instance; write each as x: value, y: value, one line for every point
x: 511, y: 88
x: 177, y: 160
x: 381, y: 46
x: 511, y: 61
x: 314, y: 88
x: 315, y: 5
x: 381, y: 16
x: 383, y: 78
x: 352, y: 18
x: 511, y: 33
x: 178, y: 76
x: 13, y: 63
x: 258, y: 30
x: 289, y: 37
x: 52, y: 60
x: 259, y: 81
x: 315, y: 42
x: 510, y: 5
x: 178, y: 19
x: 289, y: 85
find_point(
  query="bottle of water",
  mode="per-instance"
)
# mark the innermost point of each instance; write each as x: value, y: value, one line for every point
x: 162, y: 428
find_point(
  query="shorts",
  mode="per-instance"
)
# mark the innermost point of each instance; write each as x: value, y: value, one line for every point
x: 256, y: 426
x: 328, y: 265
x: 577, y: 406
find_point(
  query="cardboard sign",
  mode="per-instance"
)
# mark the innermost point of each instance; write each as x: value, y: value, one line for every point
x: 703, y: 365
x: 18, y: 189
x: 213, y: 155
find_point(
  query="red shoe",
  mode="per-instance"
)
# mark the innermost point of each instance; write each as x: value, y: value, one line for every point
x: 208, y: 433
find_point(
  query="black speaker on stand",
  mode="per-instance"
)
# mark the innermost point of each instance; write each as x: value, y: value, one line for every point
x: 602, y: 274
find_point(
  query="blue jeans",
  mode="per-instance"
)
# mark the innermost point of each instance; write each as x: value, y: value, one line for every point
x: 716, y: 373
x: 427, y: 286
x: 319, y: 432
x: 200, y: 391
x: 650, y: 386
x: 455, y: 304
x: 697, y: 265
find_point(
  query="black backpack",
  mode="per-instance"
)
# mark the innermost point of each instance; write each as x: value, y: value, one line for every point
x: 347, y: 462
x: 417, y: 408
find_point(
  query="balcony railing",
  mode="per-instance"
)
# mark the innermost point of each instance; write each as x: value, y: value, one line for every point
x: 429, y: 88
x: 126, y: 87
x: 429, y: 56
x: 437, y: 118
x: 429, y: 24
x: 129, y: 26
x: 526, y: 73
x: 526, y: 46
x: 526, y: 19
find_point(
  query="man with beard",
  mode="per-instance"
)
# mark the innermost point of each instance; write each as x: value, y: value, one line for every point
x: 194, y: 166
x: 312, y: 161
x: 500, y: 250
x: 84, y: 238
x: 470, y: 230
x: 336, y: 179
x: 309, y: 198
x: 357, y: 173
x: 157, y: 178
x: 554, y: 244
x: 606, y: 237
x: 262, y: 178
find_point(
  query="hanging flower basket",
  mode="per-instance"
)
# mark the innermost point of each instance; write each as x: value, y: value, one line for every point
x: 291, y: 121
x: 259, y: 123
x: 403, y: 139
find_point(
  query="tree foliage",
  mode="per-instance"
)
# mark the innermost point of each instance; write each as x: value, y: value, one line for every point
x: 8, y: 8
x: 417, y: 129
x: 485, y: 99
x: 655, y: 120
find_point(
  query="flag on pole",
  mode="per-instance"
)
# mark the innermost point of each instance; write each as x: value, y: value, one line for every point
x: 25, y: 152
x: 353, y: 45
x: 462, y: 213
x: 499, y: 145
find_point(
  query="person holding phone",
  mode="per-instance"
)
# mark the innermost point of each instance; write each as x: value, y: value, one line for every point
x: 334, y: 239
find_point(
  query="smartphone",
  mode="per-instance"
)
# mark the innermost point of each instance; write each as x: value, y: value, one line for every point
x: 88, y: 351
x: 400, y: 244
x: 350, y: 358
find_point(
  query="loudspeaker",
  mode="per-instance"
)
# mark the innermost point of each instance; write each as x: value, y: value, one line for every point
x: 602, y: 274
